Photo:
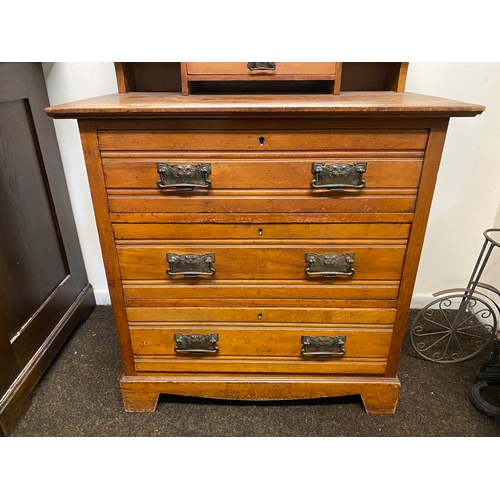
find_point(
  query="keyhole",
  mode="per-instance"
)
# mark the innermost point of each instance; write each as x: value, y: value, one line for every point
x: 260, y: 231
x: 261, y: 141
x: 259, y: 316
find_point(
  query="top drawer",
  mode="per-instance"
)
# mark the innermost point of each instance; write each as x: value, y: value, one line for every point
x: 266, y: 74
x: 321, y: 70
x: 261, y: 141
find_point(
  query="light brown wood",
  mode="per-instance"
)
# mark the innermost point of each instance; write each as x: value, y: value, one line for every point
x: 256, y: 140
x: 250, y: 261
x: 427, y: 184
x: 398, y: 77
x: 125, y: 77
x: 253, y: 365
x: 262, y: 289
x: 260, y: 217
x: 267, y: 217
x: 254, y: 341
x: 325, y: 315
x: 184, y: 80
x: 95, y: 175
x: 378, y: 396
x: 171, y: 104
x: 261, y: 174
x: 262, y: 202
x: 265, y: 122
x: 261, y: 231
x: 366, y: 76
x: 230, y: 72
x: 292, y: 69
x: 277, y: 302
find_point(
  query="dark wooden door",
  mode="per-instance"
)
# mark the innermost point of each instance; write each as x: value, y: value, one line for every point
x: 44, y: 291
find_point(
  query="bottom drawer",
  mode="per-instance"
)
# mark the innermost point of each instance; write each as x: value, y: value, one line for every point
x: 261, y: 340
x: 357, y: 349
x: 362, y: 342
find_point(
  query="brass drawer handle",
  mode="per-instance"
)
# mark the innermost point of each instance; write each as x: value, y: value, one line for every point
x: 183, y: 176
x: 191, y: 265
x: 329, y: 265
x: 338, y: 175
x: 196, y: 344
x: 261, y: 66
x: 323, y: 346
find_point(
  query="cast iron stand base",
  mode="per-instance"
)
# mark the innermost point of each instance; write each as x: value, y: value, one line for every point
x: 489, y: 373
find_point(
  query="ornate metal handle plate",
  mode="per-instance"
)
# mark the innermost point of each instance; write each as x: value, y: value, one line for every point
x: 196, y: 344
x: 183, y: 176
x: 338, y: 175
x: 329, y: 265
x: 323, y: 346
x: 191, y: 265
x: 261, y: 66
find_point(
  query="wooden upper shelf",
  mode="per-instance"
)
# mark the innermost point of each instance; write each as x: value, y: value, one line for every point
x: 238, y: 78
x: 164, y: 104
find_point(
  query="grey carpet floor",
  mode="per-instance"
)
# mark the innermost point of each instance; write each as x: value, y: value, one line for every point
x: 80, y: 396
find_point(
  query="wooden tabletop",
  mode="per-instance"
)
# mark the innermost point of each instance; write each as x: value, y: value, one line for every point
x: 166, y: 103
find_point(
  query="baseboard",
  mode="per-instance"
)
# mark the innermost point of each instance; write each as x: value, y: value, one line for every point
x: 420, y: 300
x: 102, y: 297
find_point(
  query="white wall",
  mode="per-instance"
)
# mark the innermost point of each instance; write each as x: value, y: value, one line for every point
x: 466, y: 200
x: 69, y: 82
x: 467, y: 194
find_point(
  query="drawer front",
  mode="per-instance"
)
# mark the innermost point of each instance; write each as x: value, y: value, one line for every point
x: 160, y: 340
x: 285, y: 315
x: 142, y: 173
x: 261, y: 231
x: 263, y: 140
x: 299, y: 290
x: 241, y: 68
x: 261, y: 261
x: 318, y: 185
x: 349, y: 349
x: 240, y: 364
x: 261, y: 202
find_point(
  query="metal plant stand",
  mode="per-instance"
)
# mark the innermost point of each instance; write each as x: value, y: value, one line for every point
x: 489, y: 373
x: 460, y: 323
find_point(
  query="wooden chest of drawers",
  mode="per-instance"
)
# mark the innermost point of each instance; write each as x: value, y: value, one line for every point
x: 262, y: 248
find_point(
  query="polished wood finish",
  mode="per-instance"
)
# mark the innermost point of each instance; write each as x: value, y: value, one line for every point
x: 379, y: 396
x: 258, y: 340
x: 141, y: 173
x: 263, y: 290
x: 257, y: 140
x: 349, y: 104
x: 244, y: 260
x: 44, y: 291
x: 172, y: 76
x: 261, y: 231
x: 192, y: 72
x: 260, y: 217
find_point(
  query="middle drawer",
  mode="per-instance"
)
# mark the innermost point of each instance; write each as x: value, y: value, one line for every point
x: 260, y: 261
x: 302, y: 253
